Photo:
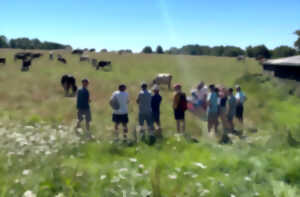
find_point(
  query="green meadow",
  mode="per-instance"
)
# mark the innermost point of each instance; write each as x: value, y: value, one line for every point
x: 40, y: 154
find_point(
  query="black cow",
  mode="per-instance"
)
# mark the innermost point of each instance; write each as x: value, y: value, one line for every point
x: 77, y: 51
x: 26, y: 64
x: 103, y: 64
x: 69, y: 82
x: 62, y: 60
x: 36, y: 55
x: 2, y: 60
x: 22, y: 56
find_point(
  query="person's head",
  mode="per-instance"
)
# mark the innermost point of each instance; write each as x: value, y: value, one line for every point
x: 200, y: 85
x: 144, y: 86
x: 212, y: 87
x: 237, y: 88
x: 85, y: 82
x: 177, y: 87
x: 122, y: 87
x: 156, y: 89
x: 230, y: 91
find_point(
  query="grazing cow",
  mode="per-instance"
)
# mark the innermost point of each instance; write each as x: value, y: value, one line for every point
x: 36, y: 55
x: 51, y: 55
x: 77, y: 51
x: 241, y: 58
x: 22, y: 56
x: 2, y: 60
x: 163, y: 78
x: 69, y: 82
x: 84, y: 58
x: 61, y: 59
x: 26, y: 64
x: 94, y: 62
x: 103, y: 64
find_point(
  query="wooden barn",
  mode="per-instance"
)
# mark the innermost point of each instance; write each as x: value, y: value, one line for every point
x: 285, y: 68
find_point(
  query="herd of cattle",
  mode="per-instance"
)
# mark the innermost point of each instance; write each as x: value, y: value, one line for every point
x: 28, y: 57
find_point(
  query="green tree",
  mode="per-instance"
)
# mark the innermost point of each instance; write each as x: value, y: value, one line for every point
x: 147, y: 49
x: 283, y: 51
x: 159, y: 50
x: 258, y: 51
x: 3, y: 42
x: 297, y: 43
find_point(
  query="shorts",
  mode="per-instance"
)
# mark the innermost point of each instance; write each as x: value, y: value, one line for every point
x: 212, y: 116
x: 230, y: 116
x: 179, y: 114
x: 156, y: 117
x: 84, y: 113
x: 239, y: 112
x: 146, y: 117
x: 120, y: 118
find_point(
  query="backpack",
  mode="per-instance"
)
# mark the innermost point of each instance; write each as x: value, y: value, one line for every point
x: 114, y: 103
x: 183, y: 102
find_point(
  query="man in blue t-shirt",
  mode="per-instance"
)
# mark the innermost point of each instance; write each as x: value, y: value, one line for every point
x: 155, y: 105
x: 83, y: 105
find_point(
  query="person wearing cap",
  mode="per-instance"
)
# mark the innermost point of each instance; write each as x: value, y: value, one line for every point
x: 179, y: 107
x: 240, y: 100
x: 120, y: 112
x: 145, y: 112
x: 155, y: 105
x: 213, y: 109
x: 83, y: 106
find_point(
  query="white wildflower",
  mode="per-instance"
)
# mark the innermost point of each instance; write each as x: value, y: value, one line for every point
x: 26, y: 172
x: 60, y: 195
x: 232, y: 195
x: 201, y: 165
x: 133, y: 160
x: 141, y: 166
x: 123, y: 170
x: 102, y: 177
x: 29, y: 193
x: 172, y: 176
x: 247, y: 178
x: 256, y: 194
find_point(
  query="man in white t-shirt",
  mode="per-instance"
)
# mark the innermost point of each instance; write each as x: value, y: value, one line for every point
x: 202, y: 92
x: 120, y: 113
x: 240, y: 100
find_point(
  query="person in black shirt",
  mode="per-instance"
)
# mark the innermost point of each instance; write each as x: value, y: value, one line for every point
x: 83, y: 106
x: 155, y: 105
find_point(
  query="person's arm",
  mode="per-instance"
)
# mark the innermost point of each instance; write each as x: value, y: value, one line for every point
x: 138, y: 99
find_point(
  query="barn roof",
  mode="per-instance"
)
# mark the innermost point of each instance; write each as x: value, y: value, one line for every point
x: 288, y: 61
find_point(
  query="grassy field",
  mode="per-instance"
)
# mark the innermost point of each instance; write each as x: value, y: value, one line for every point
x: 40, y: 153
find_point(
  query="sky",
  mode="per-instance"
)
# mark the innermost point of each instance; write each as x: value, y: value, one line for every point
x: 133, y: 24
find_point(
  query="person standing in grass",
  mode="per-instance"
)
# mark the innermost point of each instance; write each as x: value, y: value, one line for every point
x: 240, y: 100
x: 231, y: 109
x: 212, y: 110
x: 179, y: 107
x: 145, y: 113
x: 155, y: 105
x: 83, y: 106
x: 119, y: 102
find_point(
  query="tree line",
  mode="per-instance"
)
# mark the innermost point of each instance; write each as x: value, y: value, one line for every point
x: 26, y: 43
x: 259, y: 51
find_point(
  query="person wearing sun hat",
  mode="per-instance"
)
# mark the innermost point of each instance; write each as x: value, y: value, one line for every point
x: 179, y: 107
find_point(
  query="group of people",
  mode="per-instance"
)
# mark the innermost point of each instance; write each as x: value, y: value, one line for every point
x: 212, y: 99
x: 220, y: 103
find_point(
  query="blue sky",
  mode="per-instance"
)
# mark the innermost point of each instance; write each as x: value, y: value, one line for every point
x: 116, y: 24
